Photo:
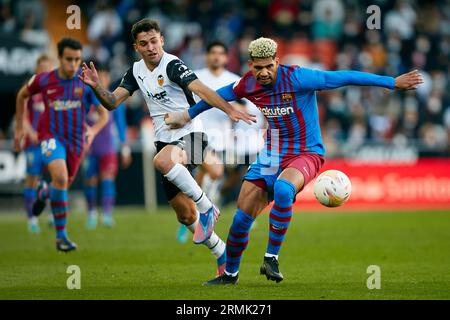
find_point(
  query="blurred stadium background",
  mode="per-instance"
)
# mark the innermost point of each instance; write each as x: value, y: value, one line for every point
x: 394, y: 146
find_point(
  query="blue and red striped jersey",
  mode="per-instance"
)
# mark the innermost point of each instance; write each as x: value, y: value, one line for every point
x: 290, y: 104
x: 67, y: 101
x: 290, y: 110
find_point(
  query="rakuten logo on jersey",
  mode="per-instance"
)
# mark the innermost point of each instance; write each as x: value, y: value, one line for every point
x: 276, y: 111
x: 61, y: 105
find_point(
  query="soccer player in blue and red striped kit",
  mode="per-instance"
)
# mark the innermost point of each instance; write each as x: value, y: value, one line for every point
x: 294, y: 152
x: 62, y: 131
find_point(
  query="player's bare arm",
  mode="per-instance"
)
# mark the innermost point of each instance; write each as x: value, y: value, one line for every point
x: 212, y: 98
x: 179, y: 119
x: 110, y: 100
x: 19, y: 133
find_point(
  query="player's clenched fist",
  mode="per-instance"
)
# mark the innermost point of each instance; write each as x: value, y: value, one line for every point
x: 177, y: 120
x: 408, y: 81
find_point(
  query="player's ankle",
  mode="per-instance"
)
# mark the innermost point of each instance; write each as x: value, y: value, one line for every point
x: 270, y: 255
x: 231, y: 274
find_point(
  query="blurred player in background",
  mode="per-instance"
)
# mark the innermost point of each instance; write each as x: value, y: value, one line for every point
x: 167, y: 84
x: 216, y: 124
x: 294, y: 152
x: 35, y: 107
x: 62, y: 131
x: 101, y: 163
x: 248, y: 140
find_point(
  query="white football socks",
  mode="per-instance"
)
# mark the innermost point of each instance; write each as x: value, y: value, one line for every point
x: 214, y: 243
x: 179, y: 175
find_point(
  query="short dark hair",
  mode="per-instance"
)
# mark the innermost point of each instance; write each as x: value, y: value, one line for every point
x: 216, y: 44
x: 68, y: 43
x: 144, y: 25
x: 43, y: 57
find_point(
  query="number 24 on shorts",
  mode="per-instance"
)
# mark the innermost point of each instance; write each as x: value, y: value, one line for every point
x: 47, y: 146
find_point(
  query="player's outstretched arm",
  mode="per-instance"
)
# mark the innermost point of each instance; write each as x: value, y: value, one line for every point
x: 179, y: 119
x: 322, y: 80
x: 214, y: 99
x: 110, y: 100
x: 19, y: 132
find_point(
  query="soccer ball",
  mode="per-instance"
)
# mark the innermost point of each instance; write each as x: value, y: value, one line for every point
x: 332, y: 188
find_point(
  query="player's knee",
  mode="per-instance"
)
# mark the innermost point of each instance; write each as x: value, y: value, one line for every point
x: 90, y: 181
x: 284, y: 191
x: 162, y: 163
x: 108, y: 175
x: 60, y: 181
x: 251, y: 205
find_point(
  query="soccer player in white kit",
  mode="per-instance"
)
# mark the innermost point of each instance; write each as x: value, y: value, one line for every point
x: 222, y: 138
x: 216, y: 124
x: 167, y: 84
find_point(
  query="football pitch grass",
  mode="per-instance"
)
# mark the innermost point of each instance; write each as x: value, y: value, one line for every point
x: 325, y: 256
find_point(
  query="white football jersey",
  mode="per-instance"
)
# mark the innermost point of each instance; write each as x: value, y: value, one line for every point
x: 216, y: 123
x: 164, y: 90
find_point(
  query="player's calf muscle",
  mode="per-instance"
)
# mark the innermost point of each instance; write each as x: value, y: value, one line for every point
x: 252, y: 199
x: 186, y: 217
x: 184, y: 208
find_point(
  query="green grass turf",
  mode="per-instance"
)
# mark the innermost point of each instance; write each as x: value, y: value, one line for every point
x: 325, y: 256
